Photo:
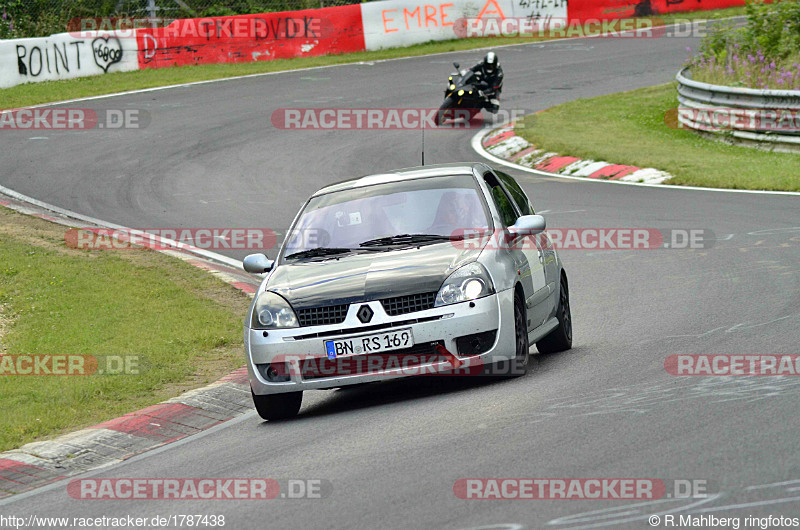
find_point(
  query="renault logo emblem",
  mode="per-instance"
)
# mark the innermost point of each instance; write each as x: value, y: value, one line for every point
x: 365, y: 314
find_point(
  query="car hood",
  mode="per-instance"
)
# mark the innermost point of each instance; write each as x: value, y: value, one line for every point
x: 367, y: 276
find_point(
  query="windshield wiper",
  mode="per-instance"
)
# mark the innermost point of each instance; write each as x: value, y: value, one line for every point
x: 404, y: 239
x: 317, y: 252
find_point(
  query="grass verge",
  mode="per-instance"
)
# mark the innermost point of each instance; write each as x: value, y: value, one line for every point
x: 181, y: 325
x: 48, y: 91
x: 629, y: 128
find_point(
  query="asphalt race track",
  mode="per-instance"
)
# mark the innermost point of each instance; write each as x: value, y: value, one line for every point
x: 393, y: 451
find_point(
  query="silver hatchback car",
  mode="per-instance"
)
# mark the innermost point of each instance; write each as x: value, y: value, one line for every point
x: 441, y: 269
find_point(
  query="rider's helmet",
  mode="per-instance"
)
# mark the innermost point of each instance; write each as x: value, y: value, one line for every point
x: 490, y: 62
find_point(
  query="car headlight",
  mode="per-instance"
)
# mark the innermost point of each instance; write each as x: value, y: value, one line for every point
x: 452, y: 87
x: 467, y: 283
x: 460, y: 92
x: 271, y: 311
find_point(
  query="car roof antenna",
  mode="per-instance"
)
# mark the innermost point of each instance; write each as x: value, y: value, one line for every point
x: 423, y: 142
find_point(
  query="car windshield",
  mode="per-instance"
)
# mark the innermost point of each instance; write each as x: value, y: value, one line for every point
x: 396, y: 211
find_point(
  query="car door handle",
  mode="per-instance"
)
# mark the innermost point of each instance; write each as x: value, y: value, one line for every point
x: 539, y: 296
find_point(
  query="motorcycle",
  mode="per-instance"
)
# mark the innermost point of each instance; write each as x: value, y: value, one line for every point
x: 462, y: 97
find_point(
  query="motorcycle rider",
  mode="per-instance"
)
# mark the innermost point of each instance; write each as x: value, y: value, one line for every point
x: 490, y: 77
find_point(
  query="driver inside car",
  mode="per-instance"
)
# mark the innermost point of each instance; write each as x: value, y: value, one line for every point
x: 456, y: 211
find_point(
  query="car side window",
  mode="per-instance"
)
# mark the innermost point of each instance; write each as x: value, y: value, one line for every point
x: 504, y: 204
x: 517, y: 194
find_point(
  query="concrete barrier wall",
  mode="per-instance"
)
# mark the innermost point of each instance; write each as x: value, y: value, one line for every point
x: 248, y: 38
x: 65, y: 56
x: 611, y: 9
x: 268, y: 36
x: 391, y: 23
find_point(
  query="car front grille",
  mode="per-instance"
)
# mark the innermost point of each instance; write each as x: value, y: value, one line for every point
x: 322, y: 316
x: 400, y: 305
x: 395, y: 306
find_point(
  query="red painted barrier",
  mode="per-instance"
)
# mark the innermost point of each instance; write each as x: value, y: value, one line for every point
x: 610, y: 9
x: 248, y: 38
x: 331, y: 30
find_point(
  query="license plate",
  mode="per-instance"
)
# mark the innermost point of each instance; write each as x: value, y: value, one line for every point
x: 374, y: 343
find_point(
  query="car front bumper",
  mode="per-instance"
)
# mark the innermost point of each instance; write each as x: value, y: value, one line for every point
x: 438, y: 325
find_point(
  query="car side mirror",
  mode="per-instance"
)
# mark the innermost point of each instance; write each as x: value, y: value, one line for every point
x: 528, y: 225
x: 257, y: 263
x: 456, y: 65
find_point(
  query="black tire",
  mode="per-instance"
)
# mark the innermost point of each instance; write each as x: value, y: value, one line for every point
x: 278, y: 406
x: 521, y: 362
x: 442, y: 115
x: 560, y: 339
x: 518, y: 366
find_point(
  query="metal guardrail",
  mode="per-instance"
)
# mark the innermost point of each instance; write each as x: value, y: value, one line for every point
x: 769, y: 119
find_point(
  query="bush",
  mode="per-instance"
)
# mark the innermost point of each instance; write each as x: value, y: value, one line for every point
x: 764, y: 53
x: 773, y: 29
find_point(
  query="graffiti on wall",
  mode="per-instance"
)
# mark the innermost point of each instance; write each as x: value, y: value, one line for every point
x: 64, y: 56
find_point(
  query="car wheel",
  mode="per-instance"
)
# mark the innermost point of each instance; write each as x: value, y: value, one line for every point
x: 559, y: 339
x: 278, y: 406
x: 519, y: 365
